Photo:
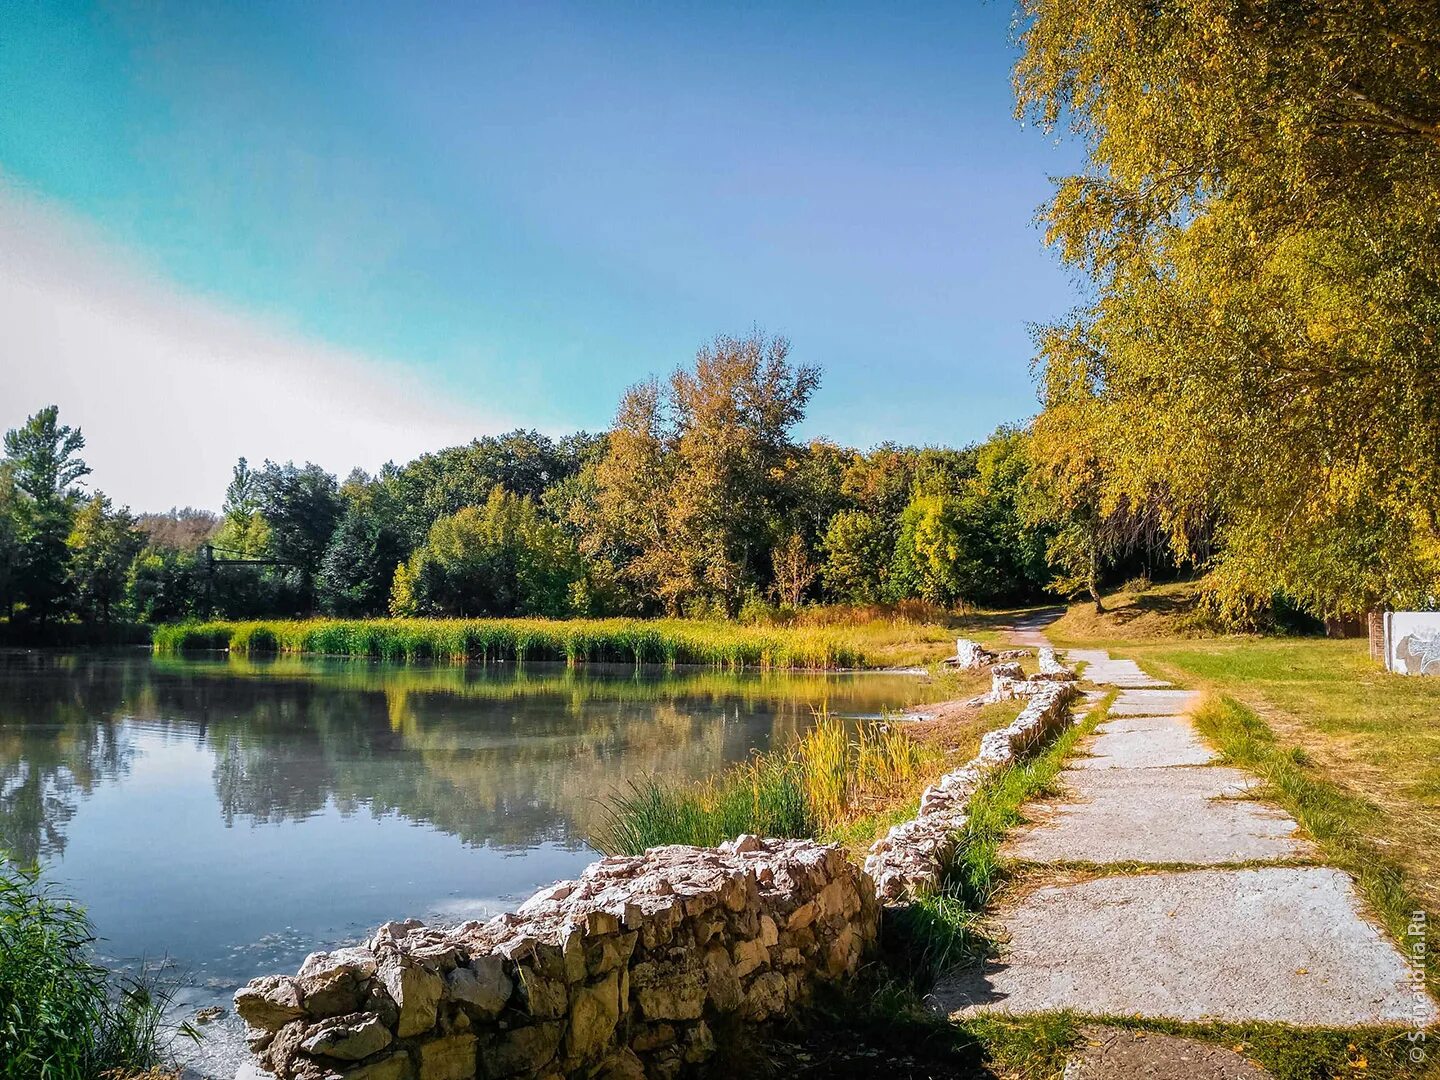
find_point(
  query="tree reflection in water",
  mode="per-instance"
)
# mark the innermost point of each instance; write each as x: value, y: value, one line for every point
x: 504, y: 757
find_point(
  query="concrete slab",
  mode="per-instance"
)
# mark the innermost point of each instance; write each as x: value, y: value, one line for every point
x: 1108, y: 1053
x: 1153, y: 702
x: 1143, y: 742
x: 1100, y: 668
x: 1175, y: 815
x: 1278, y: 943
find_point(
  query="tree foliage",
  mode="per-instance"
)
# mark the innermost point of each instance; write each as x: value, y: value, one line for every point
x: 700, y: 501
x: 1254, y: 377
x: 43, y: 463
x: 697, y: 480
x: 103, y: 543
x: 504, y: 558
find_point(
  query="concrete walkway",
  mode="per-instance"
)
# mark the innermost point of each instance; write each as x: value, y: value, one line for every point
x: 1157, y: 887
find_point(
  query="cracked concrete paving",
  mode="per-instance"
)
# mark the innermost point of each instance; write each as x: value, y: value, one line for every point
x: 1269, y: 943
x: 1276, y: 943
x: 1118, y: 815
x: 1166, y: 741
x: 1100, y: 667
x: 1144, y: 701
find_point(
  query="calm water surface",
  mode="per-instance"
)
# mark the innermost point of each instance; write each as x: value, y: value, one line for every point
x: 228, y: 816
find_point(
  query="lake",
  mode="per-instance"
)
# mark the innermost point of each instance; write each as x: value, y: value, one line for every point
x: 227, y: 816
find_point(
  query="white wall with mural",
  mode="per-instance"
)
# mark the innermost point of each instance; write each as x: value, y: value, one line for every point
x: 1412, y: 642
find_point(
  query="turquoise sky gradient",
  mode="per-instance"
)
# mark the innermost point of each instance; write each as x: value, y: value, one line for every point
x: 530, y: 206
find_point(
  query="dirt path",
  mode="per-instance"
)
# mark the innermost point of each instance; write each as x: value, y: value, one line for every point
x: 1155, y: 887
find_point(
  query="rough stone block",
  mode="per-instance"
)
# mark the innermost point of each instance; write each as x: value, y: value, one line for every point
x: 415, y: 990
x: 449, y: 1058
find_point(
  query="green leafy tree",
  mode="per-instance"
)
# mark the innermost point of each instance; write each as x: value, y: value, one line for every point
x: 932, y: 558
x: 300, y: 506
x: 10, y: 555
x: 1259, y: 215
x: 243, y: 531
x: 1010, y: 547
x: 505, y: 558
x: 103, y: 543
x: 857, y: 550
x: 697, y: 480
x: 44, y: 463
x: 166, y: 585
x: 522, y: 462
x: 359, y: 563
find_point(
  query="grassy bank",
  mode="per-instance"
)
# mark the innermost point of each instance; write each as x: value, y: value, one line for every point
x: 815, y: 788
x: 61, y: 1016
x: 839, y: 782
x: 637, y: 641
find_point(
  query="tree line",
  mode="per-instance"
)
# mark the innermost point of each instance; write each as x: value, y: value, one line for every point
x: 700, y: 501
x: 1249, y: 391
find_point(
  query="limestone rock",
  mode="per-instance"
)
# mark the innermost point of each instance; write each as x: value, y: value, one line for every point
x: 970, y: 655
x: 545, y: 998
x: 765, y: 998
x: 349, y: 1038
x: 526, y: 1049
x: 622, y: 1065
x: 269, y: 1003
x: 450, y: 1058
x: 482, y: 986
x: 722, y: 983
x: 333, y: 992
x: 678, y: 998
x: 618, y: 973
x: 593, y: 1016
x: 415, y: 991
x: 361, y: 962
x: 394, y: 1067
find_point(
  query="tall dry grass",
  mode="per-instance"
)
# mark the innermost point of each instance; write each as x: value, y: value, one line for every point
x: 830, y: 776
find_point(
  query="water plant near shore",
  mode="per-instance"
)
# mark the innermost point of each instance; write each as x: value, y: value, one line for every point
x: 810, y: 789
x: 63, y: 1017
x: 638, y: 641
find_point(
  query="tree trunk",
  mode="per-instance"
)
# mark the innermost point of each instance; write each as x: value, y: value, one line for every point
x: 1094, y: 582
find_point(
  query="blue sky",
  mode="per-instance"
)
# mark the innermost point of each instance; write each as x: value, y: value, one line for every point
x: 514, y: 211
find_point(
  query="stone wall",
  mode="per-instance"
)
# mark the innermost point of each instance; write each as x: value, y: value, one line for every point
x: 627, y: 972
x: 911, y: 860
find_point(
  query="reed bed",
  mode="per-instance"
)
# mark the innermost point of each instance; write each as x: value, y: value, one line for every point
x: 830, y: 777
x: 638, y: 641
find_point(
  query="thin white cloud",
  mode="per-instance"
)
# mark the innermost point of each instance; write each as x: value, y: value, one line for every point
x: 171, y: 388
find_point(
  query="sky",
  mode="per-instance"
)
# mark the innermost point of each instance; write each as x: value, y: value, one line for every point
x: 352, y: 232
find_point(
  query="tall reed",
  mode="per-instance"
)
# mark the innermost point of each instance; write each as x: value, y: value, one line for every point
x: 62, y: 1017
x: 637, y: 641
